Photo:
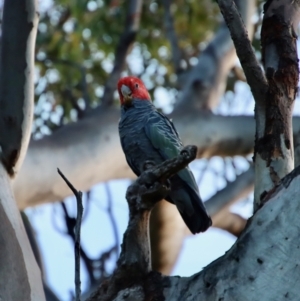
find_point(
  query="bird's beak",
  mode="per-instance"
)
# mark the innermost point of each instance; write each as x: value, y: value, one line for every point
x: 127, y: 94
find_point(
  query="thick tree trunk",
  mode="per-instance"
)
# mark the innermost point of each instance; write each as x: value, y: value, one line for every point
x: 19, y: 27
x: 274, y: 148
x: 20, y: 276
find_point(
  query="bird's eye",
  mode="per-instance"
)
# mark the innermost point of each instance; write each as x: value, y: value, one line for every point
x: 136, y: 86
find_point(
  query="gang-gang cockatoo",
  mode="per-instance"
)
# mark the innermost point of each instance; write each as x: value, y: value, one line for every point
x: 148, y: 135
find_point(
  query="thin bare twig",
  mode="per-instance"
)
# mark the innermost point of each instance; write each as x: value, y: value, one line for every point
x: 78, y: 195
x: 70, y: 225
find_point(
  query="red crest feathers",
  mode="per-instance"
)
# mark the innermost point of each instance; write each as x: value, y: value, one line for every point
x: 136, y: 86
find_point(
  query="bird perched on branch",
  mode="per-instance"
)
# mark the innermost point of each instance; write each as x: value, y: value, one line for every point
x: 149, y: 136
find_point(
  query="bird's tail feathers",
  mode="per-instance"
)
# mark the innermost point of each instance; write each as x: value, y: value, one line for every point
x: 192, y: 210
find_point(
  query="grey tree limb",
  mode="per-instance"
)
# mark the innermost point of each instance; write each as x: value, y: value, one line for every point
x: 18, y: 268
x: 218, y: 206
x: 253, y: 72
x: 49, y: 294
x: 95, y: 140
x: 231, y: 193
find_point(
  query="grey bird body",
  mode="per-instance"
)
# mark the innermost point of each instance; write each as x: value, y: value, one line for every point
x: 148, y: 135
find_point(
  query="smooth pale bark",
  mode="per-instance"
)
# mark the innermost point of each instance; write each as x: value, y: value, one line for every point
x: 20, y: 276
x: 260, y: 258
x: 19, y: 28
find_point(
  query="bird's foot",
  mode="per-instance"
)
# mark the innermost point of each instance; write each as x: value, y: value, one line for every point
x: 148, y: 165
x: 184, y: 153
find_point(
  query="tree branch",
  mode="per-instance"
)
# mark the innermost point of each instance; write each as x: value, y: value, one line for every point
x: 218, y: 206
x: 112, y: 218
x: 231, y: 193
x: 171, y: 35
x: 253, y: 259
x: 231, y: 222
x: 203, y: 90
x: 127, y: 38
x: 246, y: 55
x: 95, y: 141
x: 78, y: 195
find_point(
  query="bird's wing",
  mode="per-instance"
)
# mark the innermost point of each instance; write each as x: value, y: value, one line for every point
x: 129, y: 160
x: 162, y: 136
x: 165, y: 139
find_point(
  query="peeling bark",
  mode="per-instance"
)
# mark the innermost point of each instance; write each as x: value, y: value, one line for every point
x: 274, y: 152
